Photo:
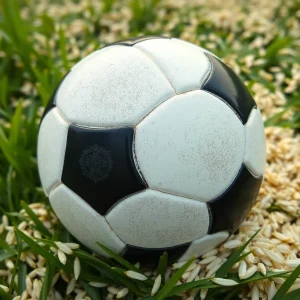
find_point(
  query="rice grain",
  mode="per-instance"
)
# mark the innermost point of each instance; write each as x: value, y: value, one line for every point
x: 5, y: 220
x: 213, y: 270
x: 61, y: 256
x: 254, y: 293
x: 135, y: 275
x: 4, y: 287
x: 249, y: 272
x: 55, y: 278
x: 232, y: 244
x: 261, y: 268
x: 275, y: 257
x: 193, y: 274
x: 271, y: 290
x: 224, y: 282
x: 36, y: 290
x: 77, y: 268
x: 113, y: 290
x: 3, y: 273
x: 29, y: 285
x: 207, y: 260
x: 64, y: 248
x: 122, y: 293
x: 293, y: 263
x: 156, y: 285
x: 242, y: 269
x: 72, y: 246
x: 203, y: 293
x: 71, y: 286
x: 97, y: 284
x: 212, y: 252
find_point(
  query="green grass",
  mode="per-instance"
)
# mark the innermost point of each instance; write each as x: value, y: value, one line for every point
x: 34, y: 56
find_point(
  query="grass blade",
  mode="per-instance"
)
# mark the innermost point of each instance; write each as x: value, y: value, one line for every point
x: 202, y: 283
x: 107, y: 5
x: 17, y: 263
x: 165, y: 291
x: 16, y: 124
x: 93, y: 292
x: 7, y: 151
x: 244, y: 255
x: 63, y: 48
x: 162, y: 266
x: 4, y: 295
x: 22, y: 272
x: 206, y: 283
x: 118, y: 258
x: 97, y: 278
x: 39, y: 225
x: 233, y: 293
x: 292, y: 295
x: 214, y: 294
x: 4, y: 92
x: 6, y: 254
x: 276, y: 46
x: 276, y: 118
x: 287, y: 284
x: 17, y: 30
x: 233, y: 258
x: 3, y: 244
x: 6, y: 251
x: 8, y: 189
x: 50, y: 271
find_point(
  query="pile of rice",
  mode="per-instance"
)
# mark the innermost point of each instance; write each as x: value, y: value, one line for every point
x: 276, y: 212
x: 276, y: 247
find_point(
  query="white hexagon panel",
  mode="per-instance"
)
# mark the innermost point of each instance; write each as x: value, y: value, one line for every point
x: 192, y: 145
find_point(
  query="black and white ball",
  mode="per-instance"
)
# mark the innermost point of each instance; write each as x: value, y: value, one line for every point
x: 151, y: 144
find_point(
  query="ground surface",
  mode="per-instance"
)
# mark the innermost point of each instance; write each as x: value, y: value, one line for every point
x: 41, y: 40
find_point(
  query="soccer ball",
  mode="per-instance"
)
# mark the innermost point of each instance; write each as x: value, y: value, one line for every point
x: 151, y: 145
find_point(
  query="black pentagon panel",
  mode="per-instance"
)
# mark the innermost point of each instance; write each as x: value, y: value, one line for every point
x: 133, y: 41
x: 150, y: 256
x: 230, y: 209
x: 99, y: 165
x: 224, y: 83
x: 51, y: 103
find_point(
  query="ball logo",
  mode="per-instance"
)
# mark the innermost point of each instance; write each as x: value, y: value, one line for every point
x: 96, y: 163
